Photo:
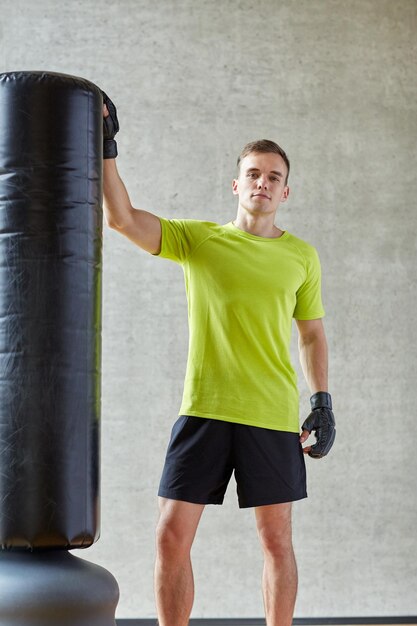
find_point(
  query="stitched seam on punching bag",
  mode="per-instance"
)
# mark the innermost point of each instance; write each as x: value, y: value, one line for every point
x: 87, y: 422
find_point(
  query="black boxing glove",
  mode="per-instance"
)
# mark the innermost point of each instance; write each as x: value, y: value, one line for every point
x: 110, y: 128
x: 321, y: 420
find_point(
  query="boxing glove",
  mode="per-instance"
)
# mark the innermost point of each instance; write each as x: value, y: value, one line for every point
x: 110, y: 128
x: 321, y: 420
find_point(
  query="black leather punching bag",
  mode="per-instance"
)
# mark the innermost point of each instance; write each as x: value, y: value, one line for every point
x: 50, y: 318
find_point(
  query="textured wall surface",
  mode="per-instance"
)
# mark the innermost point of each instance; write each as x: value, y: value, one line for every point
x: 333, y: 81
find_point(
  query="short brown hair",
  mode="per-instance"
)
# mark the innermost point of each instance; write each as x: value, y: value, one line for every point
x: 264, y: 145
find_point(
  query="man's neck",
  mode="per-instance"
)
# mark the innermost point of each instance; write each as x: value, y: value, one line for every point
x: 258, y: 227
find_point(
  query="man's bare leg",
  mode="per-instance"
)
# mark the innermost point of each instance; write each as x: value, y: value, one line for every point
x: 280, y: 569
x: 174, y: 582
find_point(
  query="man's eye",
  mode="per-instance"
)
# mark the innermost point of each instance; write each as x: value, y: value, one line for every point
x: 252, y: 175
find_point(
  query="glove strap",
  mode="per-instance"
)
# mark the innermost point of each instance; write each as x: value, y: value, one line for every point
x: 109, y: 149
x: 321, y: 399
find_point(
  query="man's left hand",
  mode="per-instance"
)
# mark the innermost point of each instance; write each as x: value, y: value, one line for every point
x: 321, y: 420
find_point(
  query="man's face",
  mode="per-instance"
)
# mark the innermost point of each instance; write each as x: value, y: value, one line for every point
x: 261, y: 182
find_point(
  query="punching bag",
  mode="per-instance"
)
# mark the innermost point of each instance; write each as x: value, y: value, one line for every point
x: 50, y: 331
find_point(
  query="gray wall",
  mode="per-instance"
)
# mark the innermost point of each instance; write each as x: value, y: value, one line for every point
x: 333, y: 81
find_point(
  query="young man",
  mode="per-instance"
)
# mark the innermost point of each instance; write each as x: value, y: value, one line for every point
x: 245, y: 281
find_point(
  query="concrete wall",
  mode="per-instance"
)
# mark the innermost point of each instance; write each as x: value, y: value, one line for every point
x: 333, y: 81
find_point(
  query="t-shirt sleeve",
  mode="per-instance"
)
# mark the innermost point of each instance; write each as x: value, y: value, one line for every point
x: 177, y: 239
x: 309, y: 304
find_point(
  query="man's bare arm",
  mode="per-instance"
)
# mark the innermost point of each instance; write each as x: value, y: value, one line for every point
x: 312, y: 346
x: 314, y: 361
x: 141, y: 227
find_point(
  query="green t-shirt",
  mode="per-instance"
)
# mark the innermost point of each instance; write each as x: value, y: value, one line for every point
x: 243, y: 291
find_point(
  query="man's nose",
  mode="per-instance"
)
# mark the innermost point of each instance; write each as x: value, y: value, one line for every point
x: 262, y: 182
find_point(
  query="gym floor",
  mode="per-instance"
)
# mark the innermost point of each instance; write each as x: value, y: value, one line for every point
x: 325, y: 621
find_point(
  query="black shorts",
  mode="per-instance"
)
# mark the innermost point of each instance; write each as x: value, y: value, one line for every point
x: 202, y: 454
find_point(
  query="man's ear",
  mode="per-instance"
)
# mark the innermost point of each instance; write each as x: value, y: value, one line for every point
x: 235, y: 186
x: 285, y: 193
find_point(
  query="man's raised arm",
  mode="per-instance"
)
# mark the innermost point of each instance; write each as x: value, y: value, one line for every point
x: 141, y: 227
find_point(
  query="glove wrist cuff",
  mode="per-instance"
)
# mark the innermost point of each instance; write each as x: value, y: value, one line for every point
x: 321, y: 399
x: 109, y: 149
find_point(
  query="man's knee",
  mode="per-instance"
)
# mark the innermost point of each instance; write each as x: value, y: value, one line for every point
x: 171, y: 539
x: 275, y: 543
x: 275, y: 531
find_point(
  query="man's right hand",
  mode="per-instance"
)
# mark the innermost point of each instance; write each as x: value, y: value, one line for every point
x: 110, y: 128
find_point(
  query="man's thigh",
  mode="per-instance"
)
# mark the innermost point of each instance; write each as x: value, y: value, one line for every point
x: 178, y: 522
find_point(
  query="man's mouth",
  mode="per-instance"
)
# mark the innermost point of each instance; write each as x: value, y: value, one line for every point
x: 261, y: 195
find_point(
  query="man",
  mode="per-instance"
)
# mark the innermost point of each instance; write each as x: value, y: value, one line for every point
x: 245, y: 281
